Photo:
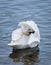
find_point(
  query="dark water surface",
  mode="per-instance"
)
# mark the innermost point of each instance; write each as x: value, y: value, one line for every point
x: 14, y: 11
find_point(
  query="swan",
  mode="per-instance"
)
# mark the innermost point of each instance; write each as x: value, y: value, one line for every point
x: 26, y: 36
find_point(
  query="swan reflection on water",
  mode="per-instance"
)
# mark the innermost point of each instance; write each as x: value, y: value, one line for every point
x: 27, y: 56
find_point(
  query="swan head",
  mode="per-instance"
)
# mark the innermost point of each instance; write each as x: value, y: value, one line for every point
x: 30, y: 29
x: 26, y: 27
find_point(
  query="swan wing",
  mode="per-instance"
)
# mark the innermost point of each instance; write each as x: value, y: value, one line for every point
x: 33, y: 41
x: 16, y: 34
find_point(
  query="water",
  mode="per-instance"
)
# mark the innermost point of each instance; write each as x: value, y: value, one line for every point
x: 14, y: 11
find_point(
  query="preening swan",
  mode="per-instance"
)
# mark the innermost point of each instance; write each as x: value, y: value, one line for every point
x: 26, y: 36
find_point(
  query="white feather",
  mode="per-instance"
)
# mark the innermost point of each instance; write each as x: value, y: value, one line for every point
x: 19, y: 40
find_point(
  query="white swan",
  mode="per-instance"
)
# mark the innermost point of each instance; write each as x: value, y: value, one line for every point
x: 26, y: 36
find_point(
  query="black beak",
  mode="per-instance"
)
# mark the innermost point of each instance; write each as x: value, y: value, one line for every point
x: 32, y: 32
